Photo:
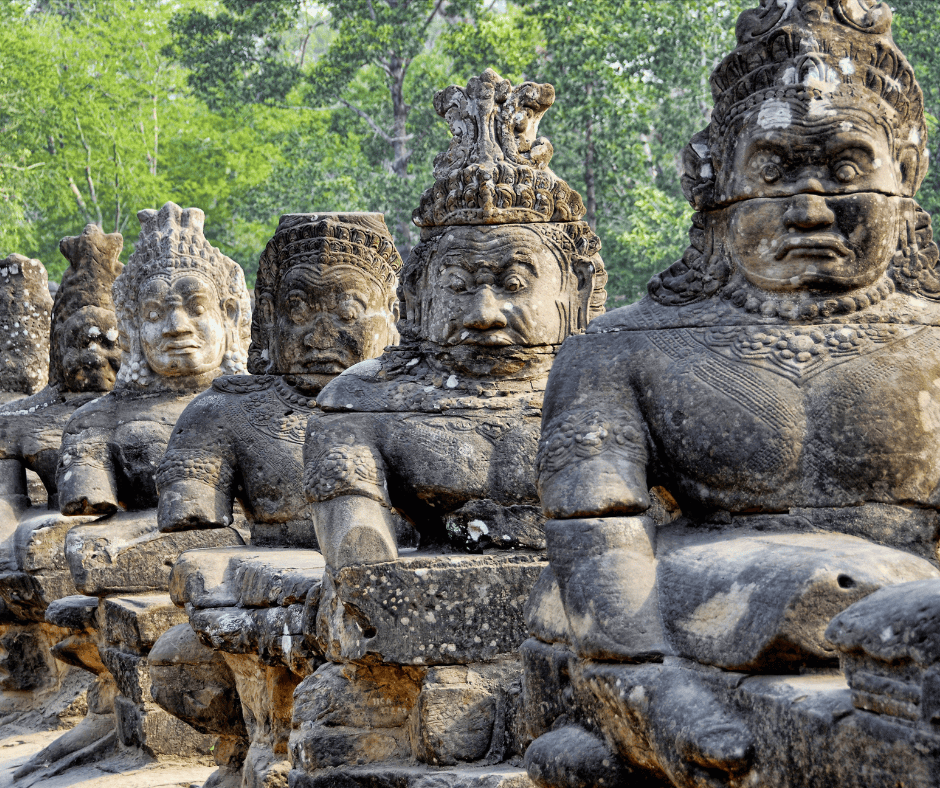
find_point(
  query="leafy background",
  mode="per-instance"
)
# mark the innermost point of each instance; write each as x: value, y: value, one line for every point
x: 252, y: 109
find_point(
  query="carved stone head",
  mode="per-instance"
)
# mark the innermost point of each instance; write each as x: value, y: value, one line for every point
x: 325, y: 295
x: 504, y: 260
x: 25, y: 309
x: 85, y: 354
x: 806, y: 175
x: 183, y: 309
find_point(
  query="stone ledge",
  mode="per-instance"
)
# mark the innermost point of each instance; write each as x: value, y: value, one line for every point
x: 245, y: 577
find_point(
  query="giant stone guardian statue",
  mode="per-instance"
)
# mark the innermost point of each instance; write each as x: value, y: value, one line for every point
x: 326, y: 299
x: 183, y: 319
x: 83, y: 362
x: 735, y: 460
x: 434, y: 442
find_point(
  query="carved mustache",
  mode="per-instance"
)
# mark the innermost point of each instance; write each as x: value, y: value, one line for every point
x: 822, y: 242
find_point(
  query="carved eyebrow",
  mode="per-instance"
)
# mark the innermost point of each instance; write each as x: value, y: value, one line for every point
x: 518, y: 257
x: 843, y: 145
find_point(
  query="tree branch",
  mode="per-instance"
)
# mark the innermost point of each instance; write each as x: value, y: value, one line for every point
x: 23, y: 169
x: 433, y: 14
x: 375, y: 126
x: 88, y: 178
x: 79, y: 200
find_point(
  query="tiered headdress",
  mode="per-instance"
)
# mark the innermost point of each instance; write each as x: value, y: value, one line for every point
x: 93, y: 267
x: 321, y: 240
x: 171, y: 243
x: 495, y: 172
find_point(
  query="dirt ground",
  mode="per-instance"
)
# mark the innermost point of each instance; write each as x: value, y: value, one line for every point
x: 123, y: 770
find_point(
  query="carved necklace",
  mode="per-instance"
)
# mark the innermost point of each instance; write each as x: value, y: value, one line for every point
x: 749, y: 298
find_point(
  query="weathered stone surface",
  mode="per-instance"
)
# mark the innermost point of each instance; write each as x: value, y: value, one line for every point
x: 245, y: 576
x: 135, y: 622
x: 25, y: 314
x: 126, y: 553
x: 461, y: 713
x: 574, y: 758
x: 195, y: 684
x: 762, y: 602
x: 775, y: 385
x: 478, y: 525
x: 501, y: 776
x: 428, y: 610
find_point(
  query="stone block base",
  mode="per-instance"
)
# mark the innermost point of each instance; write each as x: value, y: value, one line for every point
x: 415, y: 777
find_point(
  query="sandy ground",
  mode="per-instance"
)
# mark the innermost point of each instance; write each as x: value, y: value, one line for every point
x: 123, y: 770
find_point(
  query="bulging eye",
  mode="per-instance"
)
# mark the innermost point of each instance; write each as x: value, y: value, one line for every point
x: 349, y: 311
x: 847, y: 172
x: 513, y: 284
x: 153, y: 315
x: 458, y: 284
x: 197, y: 309
x: 771, y: 173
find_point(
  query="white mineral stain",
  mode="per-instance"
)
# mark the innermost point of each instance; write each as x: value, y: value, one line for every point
x: 847, y: 66
x: 451, y: 382
x: 477, y: 528
x: 929, y: 411
x: 722, y: 612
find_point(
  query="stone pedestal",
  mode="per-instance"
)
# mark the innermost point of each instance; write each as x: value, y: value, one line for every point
x: 424, y: 670
x: 247, y: 608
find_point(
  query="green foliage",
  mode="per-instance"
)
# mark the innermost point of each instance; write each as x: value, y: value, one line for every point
x: 254, y: 109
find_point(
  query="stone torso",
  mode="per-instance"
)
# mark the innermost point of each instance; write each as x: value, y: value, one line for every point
x: 265, y: 421
x: 767, y: 417
x: 31, y: 430
x: 124, y: 434
x: 430, y: 440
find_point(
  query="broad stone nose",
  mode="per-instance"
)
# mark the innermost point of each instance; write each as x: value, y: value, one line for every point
x: 808, y: 211
x: 484, y: 312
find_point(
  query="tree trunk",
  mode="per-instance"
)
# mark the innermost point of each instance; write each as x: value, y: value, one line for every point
x: 400, y: 149
x: 590, y: 182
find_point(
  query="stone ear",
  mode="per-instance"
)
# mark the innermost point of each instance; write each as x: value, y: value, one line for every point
x: 912, y: 166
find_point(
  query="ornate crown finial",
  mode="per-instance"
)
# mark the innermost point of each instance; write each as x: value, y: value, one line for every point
x: 822, y: 55
x: 495, y: 170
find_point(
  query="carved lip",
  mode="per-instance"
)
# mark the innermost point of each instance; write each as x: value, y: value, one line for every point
x: 816, y: 245
x: 180, y: 346
x: 497, y: 338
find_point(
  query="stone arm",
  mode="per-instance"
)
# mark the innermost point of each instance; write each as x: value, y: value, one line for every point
x: 13, y: 495
x: 195, y: 479
x: 593, y: 450
x: 344, y: 479
x: 85, y: 475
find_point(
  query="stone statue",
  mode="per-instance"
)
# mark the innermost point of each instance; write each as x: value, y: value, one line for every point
x: 435, y: 442
x: 742, y: 455
x: 325, y: 300
x: 83, y: 362
x: 25, y: 314
x: 183, y: 320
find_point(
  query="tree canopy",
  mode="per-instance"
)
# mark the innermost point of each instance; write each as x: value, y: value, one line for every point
x: 250, y: 109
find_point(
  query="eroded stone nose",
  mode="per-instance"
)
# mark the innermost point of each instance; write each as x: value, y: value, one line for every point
x: 808, y: 211
x: 484, y: 312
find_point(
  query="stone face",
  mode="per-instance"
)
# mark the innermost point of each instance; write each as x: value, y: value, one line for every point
x: 773, y: 388
x: 25, y: 311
